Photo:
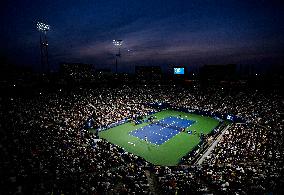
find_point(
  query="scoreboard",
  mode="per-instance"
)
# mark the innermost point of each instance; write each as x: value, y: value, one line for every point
x: 179, y: 70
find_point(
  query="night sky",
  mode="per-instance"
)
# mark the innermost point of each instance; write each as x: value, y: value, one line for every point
x: 156, y: 32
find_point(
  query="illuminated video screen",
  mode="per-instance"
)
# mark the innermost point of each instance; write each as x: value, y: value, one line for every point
x: 178, y: 70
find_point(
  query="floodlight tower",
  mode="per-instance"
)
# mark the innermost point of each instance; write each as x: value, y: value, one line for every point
x: 117, y: 43
x: 43, y: 28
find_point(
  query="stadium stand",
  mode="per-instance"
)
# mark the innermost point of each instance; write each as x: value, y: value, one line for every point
x: 45, y: 150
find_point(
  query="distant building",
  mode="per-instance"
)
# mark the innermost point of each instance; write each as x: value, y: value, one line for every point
x: 148, y: 73
x: 218, y: 72
x: 77, y: 72
x: 103, y: 71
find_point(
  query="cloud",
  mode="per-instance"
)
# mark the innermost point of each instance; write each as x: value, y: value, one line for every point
x: 173, y: 40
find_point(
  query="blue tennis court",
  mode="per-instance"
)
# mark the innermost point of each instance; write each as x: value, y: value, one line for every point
x: 156, y: 134
x: 162, y: 131
x: 178, y: 122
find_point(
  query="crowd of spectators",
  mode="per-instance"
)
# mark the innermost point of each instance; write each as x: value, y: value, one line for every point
x: 247, y: 160
x: 45, y: 150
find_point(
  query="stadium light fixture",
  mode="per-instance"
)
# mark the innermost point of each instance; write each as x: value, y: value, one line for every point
x: 42, y: 27
x: 117, y: 42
